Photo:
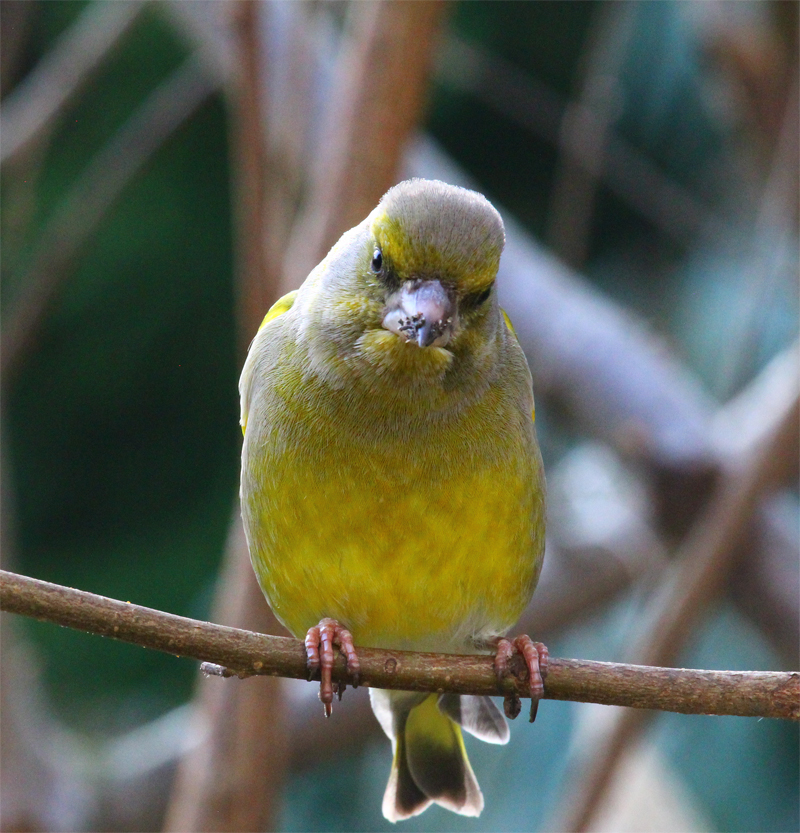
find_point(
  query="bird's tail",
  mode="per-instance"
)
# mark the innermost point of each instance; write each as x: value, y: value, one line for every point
x: 430, y: 762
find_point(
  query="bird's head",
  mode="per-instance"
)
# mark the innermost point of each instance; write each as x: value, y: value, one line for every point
x: 409, y: 294
x: 436, y: 252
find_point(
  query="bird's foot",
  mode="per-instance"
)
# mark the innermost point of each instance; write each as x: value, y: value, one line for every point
x: 319, y: 650
x: 536, y: 658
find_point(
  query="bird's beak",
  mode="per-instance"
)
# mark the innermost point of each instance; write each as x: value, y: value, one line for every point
x: 422, y: 312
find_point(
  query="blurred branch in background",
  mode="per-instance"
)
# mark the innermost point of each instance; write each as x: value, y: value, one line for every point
x: 774, y: 226
x: 63, y: 72
x: 626, y: 172
x: 41, y: 759
x: 699, y: 573
x: 15, y: 24
x: 231, y: 776
x: 369, y: 118
x: 261, y: 213
x: 244, y: 653
x: 585, y: 127
x: 40, y: 784
x: 75, y: 219
x: 603, y: 541
x: 232, y: 779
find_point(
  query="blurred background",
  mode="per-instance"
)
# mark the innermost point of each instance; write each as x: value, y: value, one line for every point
x: 170, y: 168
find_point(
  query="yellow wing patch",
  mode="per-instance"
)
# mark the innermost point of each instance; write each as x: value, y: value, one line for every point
x: 280, y: 306
x: 514, y: 333
x: 508, y: 323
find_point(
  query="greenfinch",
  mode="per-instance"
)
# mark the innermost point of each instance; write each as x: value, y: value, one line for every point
x: 392, y: 489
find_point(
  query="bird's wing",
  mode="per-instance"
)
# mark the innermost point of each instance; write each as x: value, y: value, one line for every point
x: 281, y: 306
x: 513, y: 332
x: 508, y: 323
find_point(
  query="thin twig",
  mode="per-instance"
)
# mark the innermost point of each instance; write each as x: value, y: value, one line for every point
x: 585, y: 128
x: 744, y: 693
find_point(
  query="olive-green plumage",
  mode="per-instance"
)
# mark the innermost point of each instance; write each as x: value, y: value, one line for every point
x: 391, y: 477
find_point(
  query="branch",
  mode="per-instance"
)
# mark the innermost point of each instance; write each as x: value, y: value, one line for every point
x: 743, y: 693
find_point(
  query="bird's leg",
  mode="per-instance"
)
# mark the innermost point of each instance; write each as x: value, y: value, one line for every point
x: 319, y: 650
x: 536, y: 657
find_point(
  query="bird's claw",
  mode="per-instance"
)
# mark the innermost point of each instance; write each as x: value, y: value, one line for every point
x: 319, y: 644
x: 512, y: 706
x: 536, y: 658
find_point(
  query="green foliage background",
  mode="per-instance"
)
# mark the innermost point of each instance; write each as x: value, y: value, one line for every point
x: 122, y: 426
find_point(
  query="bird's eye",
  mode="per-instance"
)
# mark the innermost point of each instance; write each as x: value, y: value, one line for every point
x: 483, y: 296
x: 473, y: 301
x: 377, y: 261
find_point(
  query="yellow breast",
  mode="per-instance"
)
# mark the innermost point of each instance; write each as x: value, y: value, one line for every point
x: 422, y: 533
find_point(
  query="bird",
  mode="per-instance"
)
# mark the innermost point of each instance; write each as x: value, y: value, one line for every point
x: 392, y: 488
